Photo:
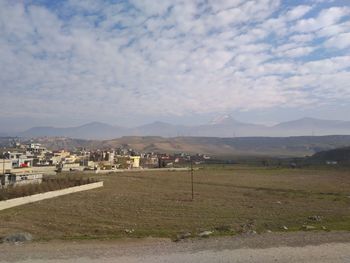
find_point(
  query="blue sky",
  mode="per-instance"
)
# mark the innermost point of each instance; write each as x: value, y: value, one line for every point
x: 131, y: 62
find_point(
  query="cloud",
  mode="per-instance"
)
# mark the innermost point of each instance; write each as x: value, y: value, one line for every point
x: 302, y: 38
x: 156, y: 58
x: 340, y: 41
x: 298, y: 12
x: 326, y: 17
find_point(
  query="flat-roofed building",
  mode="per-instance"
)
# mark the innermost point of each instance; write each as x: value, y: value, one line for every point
x: 5, y: 166
x: 135, y: 161
x: 19, y: 159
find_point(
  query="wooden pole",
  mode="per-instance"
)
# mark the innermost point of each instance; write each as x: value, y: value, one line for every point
x: 192, y: 179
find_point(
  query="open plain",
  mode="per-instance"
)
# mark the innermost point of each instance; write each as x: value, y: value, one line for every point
x: 228, y: 200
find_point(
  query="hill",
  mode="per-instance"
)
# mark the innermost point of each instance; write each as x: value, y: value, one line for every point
x: 246, y: 146
x: 340, y: 156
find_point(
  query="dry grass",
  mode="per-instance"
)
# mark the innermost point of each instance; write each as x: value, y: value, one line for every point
x: 228, y: 198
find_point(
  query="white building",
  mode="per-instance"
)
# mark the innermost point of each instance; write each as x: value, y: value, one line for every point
x: 19, y: 159
x: 5, y: 166
x: 135, y: 161
x: 20, y: 179
x: 36, y: 148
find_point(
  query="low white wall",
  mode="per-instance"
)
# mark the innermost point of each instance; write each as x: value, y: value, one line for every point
x: 170, y: 169
x: 38, y: 197
x: 47, y: 170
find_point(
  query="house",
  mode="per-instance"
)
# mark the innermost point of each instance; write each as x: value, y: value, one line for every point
x: 19, y: 159
x: 5, y: 166
x: 70, y: 167
x: 135, y: 161
x: 20, y: 179
x: 57, y: 157
x: 36, y: 148
x: 331, y: 162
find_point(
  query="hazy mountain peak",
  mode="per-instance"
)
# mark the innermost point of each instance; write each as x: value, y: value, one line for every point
x: 95, y: 124
x: 160, y: 123
x: 223, y: 119
x: 157, y: 124
x: 221, y: 126
x: 310, y: 121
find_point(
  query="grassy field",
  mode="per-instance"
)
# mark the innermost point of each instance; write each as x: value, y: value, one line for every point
x: 228, y: 199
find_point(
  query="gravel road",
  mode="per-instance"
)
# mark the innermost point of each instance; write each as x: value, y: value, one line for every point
x: 272, y: 247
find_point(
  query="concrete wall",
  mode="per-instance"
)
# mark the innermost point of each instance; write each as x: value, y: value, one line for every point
x: 38, y: 197
x: 47, y: 170
x: 170, y: 169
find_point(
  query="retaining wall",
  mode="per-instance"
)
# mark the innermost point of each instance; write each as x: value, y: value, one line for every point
x: 38, y: 197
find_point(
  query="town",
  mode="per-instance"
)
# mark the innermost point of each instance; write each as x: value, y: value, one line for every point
x: 28, y: 163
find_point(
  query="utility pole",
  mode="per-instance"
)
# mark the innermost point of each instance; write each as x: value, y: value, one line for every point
x: 2, y: 178
x: 192, y: 179
x: 3, y: 164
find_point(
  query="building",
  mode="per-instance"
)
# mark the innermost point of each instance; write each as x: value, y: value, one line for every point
x: 19, y: 159
x: 20, y: 179
x: 135, y: 161
x: 65, y: 167
x: 110, y: 157
x: 5, y: 166
x: 57, y: 157
x: 35, y: 148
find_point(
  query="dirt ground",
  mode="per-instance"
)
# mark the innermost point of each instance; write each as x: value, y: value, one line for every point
x: 268, y: 247
x: 228, y: 200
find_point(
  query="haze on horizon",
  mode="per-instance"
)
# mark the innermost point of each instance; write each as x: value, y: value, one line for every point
x: 66, y: 63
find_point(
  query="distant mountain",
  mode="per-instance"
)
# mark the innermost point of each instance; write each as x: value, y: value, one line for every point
x: 224, y: 120
x: 310, y: 123
x: 227, y: 126
x: 222, y: 126
x: 93, y: 130
x: 159, y: 129
x: 312, y: 126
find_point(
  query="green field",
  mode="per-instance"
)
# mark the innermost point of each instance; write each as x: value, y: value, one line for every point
x: 228, y: 200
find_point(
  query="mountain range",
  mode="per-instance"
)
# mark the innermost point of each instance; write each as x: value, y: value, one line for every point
x: 224, y: 126
x: 299, y: 146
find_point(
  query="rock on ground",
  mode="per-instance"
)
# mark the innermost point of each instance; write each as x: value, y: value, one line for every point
x: 17, y: 237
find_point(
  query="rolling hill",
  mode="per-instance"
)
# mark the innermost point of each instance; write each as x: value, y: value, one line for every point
x: 339, y: 155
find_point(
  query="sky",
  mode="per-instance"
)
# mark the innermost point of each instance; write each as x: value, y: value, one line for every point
x: 66, y: 63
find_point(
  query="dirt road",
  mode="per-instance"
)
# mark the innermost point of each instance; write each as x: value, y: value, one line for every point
x: 273, y: 247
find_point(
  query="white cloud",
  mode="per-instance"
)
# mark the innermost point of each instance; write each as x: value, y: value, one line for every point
x: 298, y: 12
x: 168, y: 57
x: 334, y: 29
x: 302, y: 38
x: 298, y: 52
x: 325, y: 66
x: 340, y: 41
x: 327, y: 17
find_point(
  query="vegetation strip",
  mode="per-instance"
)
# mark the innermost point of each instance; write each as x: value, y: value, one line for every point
x: 47, y: 195
x: 48, y: 184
